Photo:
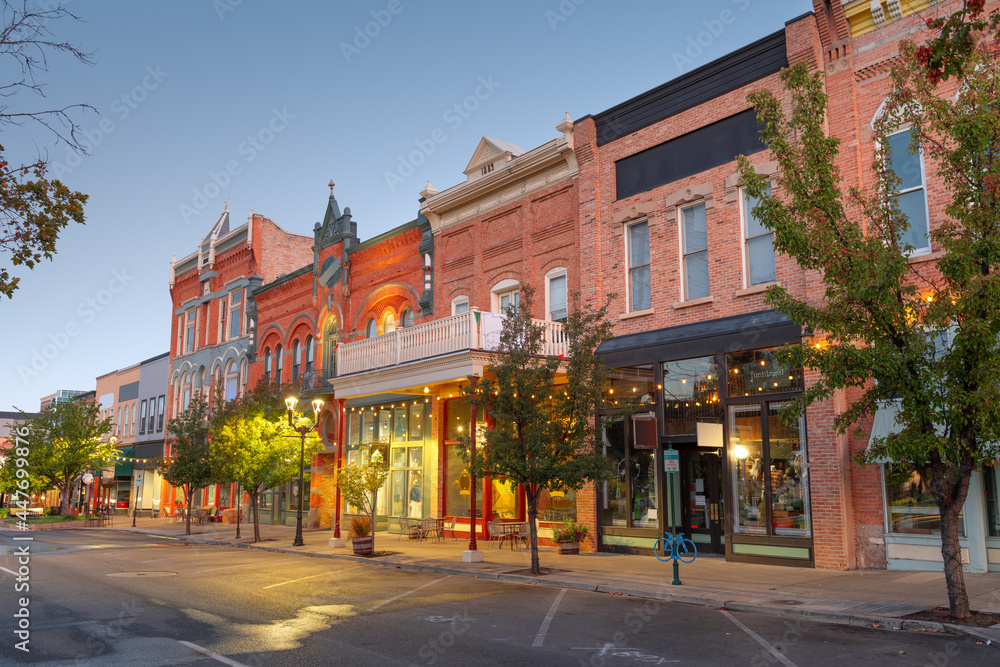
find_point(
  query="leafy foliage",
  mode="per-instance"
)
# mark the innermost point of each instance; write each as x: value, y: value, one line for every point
x: 254, y: 445
x: 189, y: 465
x: 34, y: 208
x: 570, y: 531
x: 360, y: 483
x: 922, y: 335
x: 543, y: 432
x: 61, y: 444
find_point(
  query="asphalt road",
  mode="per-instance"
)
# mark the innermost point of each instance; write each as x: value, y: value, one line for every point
x: 111, y: 598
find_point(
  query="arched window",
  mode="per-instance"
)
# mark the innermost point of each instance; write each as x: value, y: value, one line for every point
x: 243, y: 378
x: 232, y: 380
x: 277, y: 365
x: 309, y: 353
x: 330, y: 346
x: 296, y: 359
x: 406, y: 319
x: 388, y: 323
x: 267, y: 364
x: 372, y: 329
x: 185, y: 392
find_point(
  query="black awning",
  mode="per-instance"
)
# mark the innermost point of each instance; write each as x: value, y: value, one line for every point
x: 750, y: 331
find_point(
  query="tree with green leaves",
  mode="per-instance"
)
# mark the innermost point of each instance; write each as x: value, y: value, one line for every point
x: 361, y: 481
x: 544, y: 434
x: 923, y: 336
x: 63, y: 442
x: 34, y: 208
x: 189, y: 465
x: 253, y: 444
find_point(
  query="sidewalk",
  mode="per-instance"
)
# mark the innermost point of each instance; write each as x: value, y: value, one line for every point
x: 874, y: 597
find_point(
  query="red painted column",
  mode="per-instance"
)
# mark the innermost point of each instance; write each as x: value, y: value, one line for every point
x: 341, y: 438
x: 472, y: 451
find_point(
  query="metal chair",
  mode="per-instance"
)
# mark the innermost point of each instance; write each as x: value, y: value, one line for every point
x: 429, y: 527
x: 493, y: 534
x: 523, y: 534
x: 451, y: 521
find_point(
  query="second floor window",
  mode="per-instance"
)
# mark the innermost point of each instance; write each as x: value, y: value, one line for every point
x: 460, y: 305
x: 296, y: 359
x: 912, y: 197
x: 235, y: 314
x: 637, y: 247
x: 142, y: 418
x: 372, y: 329
x: 759, y: 244
x: 159, y: 413
x: 556, y: 297
x: 695, y: 243
x: 309, y: 353
x: 277, y: 364
x: 189, y: 336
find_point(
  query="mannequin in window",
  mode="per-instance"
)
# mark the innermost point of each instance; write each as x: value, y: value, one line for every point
x: 416, y: 508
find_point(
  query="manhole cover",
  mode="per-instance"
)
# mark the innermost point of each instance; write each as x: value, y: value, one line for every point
x: 142, y: 574
x: 790, y: 603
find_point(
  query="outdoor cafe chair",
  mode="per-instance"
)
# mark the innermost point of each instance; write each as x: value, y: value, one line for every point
x: 493, y: 534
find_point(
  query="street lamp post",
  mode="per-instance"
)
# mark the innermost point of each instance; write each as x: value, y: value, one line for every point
x: 135, y: 503
x: 302, y: 430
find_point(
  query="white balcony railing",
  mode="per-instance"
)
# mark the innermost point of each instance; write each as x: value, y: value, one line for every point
x: 469, y: 331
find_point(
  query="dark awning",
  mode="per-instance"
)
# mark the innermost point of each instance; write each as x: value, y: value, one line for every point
x: 124, y: 468
x: 766, y: 328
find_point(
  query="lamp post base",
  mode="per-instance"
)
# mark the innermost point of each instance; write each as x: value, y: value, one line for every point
x: 337, y: 542
x: 472, y: 556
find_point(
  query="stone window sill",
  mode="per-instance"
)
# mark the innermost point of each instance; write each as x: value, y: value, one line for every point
x: 925, y: 257
x: 693, y: 302
x: 754, y: 289
x: 636, y: 313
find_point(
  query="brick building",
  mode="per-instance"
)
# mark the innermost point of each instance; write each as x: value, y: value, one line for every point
x: 671, y: 232
x: 211, y: 327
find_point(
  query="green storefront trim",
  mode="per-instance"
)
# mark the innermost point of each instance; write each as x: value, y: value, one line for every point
x: 124, y: 468
x: 771, y: 550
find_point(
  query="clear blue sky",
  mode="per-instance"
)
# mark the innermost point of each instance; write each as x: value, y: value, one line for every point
x: 289, y: 96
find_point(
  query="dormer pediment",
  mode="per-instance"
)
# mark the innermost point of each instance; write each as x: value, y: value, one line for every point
x: 489, y: 156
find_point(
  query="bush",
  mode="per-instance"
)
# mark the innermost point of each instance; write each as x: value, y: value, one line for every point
x: 570, y: 531
x: 359, y: 526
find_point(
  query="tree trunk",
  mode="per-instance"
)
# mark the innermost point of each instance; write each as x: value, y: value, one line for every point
x: 950, y: 497
x: 188, y: 494
x: 64, y: 498
x: 533, y: 530
x: 255, y: 508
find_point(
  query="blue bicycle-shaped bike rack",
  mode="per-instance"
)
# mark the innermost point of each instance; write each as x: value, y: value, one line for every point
x: 670, y: 547
x: 675, y: 548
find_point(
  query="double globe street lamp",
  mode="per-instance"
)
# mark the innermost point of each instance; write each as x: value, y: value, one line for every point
x: 302, y: 430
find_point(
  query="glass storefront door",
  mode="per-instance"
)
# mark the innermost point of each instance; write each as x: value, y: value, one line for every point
x: 701, y: 498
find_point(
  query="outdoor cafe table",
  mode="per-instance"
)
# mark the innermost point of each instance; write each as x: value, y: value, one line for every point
x: 508, y: 531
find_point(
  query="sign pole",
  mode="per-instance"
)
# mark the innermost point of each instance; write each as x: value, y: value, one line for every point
x: 671, y: 465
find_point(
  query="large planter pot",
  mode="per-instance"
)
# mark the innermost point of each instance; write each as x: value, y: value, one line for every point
x: 363, y: 545
x: 569, y: 547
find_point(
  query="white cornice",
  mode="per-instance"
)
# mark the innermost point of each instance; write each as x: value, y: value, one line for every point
x: 537, y: 169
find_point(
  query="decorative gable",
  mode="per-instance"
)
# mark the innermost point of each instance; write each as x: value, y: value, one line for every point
x: 490, y: 156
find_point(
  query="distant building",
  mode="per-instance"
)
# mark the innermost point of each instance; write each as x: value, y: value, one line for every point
x: 61, y: 396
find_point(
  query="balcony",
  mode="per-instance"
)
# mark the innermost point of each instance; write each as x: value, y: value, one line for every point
x: 316, y: 381
x: 469, y: 331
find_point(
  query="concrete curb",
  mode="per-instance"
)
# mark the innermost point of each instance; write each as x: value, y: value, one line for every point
x: 823, y: 616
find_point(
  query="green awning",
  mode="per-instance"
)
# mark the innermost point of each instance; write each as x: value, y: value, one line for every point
x: 124, y: 468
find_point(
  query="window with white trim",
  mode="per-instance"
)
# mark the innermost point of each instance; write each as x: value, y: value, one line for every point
x: 296, y: 361
x: 277, y: 365
x: 232, y: 381
x: 189, y: 335
x: 371, y: 329
x: 161, y: 409
x: 309, y: 353
x: 912, y: 195
x: 758, y: 243
x: 142, y: 418
x: 222, y: 319
x: 694, y: 247
x: 235, y: 313
x: 388, y: 323
x: 267, y: 364
x: 506, y: 294
x: 637, y: 254
x: 406, y: 319
x: 556, y: 299
x: 459, y: 305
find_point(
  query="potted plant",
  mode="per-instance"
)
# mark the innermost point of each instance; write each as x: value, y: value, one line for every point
x: 568, y: 537
x: 360, y: 483
x: 359, y: 528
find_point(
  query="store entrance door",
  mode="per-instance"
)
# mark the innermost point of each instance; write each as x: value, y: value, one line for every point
x: 701, y: 499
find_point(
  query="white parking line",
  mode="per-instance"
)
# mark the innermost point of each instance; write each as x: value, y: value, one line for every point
x: 540, y: 637
x: 324, y: 574
x: 760, y: 640
x: 214, y: 656
x: 9, y: 571
x: 226, y: 567
x: 403, y: 595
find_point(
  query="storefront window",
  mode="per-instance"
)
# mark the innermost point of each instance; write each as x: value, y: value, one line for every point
x: 557, y: 505
x: 690, y: 395
x: 787, y: 472
x: 355, y: 428
x: 225, y: 495
x: 633, y: 385
x: 992, y: 501
x: 367, y: 427
x: 417, y: 421
x: 644, y: 488
x: 384, y: 427
x: 615, y: 508
x: 505, y: 499
x: 756, y: 372
x: 912, y: 510
x: 746, y: 447
x: 399, y: 426
x: 458, y: 485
